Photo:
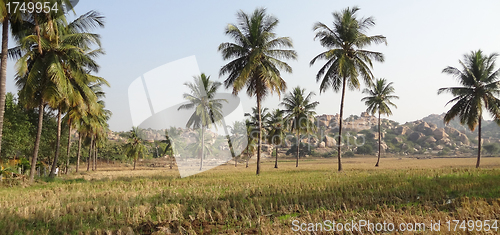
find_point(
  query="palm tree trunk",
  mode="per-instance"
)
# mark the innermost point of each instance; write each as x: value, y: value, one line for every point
x: 479, y: 143
x: 276, y: 162
x: 93, y: 155
x: 135, y: 161
x: 379, y: 143
x: 96, y: 149
x: 89, y: 158
x: 260, y: 135
x: 248, y: 157
x: 202, y: 146
x: 3, y: 72
x: 79, y: 151
x: 41, y: 108
x: 340, y: 123
x: 69, y: 145
x: 298, y: 146
x: 58, y: 145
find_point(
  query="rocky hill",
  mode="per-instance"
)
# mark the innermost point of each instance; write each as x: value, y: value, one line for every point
x: 428, y: 135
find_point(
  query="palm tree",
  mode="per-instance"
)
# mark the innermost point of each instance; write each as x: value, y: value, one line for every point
x: 22, y: 24
x: 346, y: 57
x: 256, y: 54
x: 135, y: 147
x: 379, y: 100
x: 208, y: 109
x: 299, y: 110
x: 240, y: 138
x: 480, y: 84
x: 53, y: 67
x: 171, y: 139
x: 277, y: 132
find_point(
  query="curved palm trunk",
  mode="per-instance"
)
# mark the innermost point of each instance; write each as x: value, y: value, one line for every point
x: 3, y: 72
x: 37, y: 140
x: 202, y: 146
x: 479, y: 143
x: 58, y: 145
x: 340, y: 123
x: 69, y: 146
x: 298, y: 147
x: 379, y: 143
x: 260, y: 135
x: 79, y: 151
x: 276, y: 162
x: 89, y: 158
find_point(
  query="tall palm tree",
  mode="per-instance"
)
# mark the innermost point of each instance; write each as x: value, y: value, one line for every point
x: 22, y: 24
x: 346, y: 57
x: 480, y: 86
x: 208, y: 109
x: 299, y: 110
x: 277, y: 132
x: 379, y: 99
x: 135, y: 147
x: 256, y: 59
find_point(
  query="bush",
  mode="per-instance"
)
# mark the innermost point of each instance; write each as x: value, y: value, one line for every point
x: 349, y: 154
x: 492, y: 148
x: 305, y: 149
x: 364, y: 149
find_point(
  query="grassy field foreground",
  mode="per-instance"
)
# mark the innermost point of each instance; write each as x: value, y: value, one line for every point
x: 234, y: 200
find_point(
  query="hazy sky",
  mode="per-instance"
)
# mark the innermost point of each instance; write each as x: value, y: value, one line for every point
x: 423, y: 38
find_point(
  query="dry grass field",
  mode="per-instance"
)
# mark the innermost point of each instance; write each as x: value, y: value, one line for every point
x: 229, y: 200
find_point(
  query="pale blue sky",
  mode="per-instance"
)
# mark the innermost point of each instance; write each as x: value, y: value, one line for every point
x: 423, y: 38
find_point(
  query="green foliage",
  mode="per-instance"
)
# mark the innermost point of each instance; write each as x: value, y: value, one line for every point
x: 364, y: 149
x: 493, y: 148
x: 305, y: 149
x: 349, y: 154
x: 445, y: 151
x: 17, y: 137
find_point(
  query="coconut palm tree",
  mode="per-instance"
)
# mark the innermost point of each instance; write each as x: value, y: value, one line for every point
x: 171, y: 139
x: 379, y: 99
x: 256, y: 59
x: 346, y: 56
x: 277, y: 132
x: 480, y: 84
x: 208, y: 109
x: 53, y: 68
x: 135, y: 147
x: 240, y: 138
x: 299, y: 110
x: 23, y: 24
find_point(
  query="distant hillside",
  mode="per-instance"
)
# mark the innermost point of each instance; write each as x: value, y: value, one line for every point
x: 426, y: 136
x: 489, y: 128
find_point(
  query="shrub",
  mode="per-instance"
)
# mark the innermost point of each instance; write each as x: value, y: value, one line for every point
x: 349, y: 154
x: 364, y: 149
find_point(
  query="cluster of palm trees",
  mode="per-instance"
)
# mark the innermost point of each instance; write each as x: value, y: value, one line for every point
x: 257, y: 52
x: 54, y: 71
